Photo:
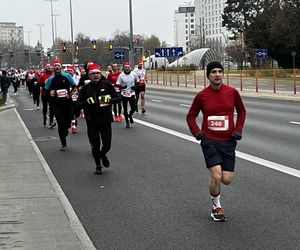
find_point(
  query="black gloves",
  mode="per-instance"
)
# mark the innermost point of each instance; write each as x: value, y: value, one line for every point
x: 236, y: 135
x: 124, y: 87
x: 200, y: 135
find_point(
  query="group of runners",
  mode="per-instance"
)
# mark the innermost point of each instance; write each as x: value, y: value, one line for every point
x: 102, y: 98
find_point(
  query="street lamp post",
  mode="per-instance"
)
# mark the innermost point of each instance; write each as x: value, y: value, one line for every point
x: 41, y: 37
x: 72, y: 36
x: 53, y: 43
x: 131, y: 35
x: 29, y: 50
x: 55, y: 37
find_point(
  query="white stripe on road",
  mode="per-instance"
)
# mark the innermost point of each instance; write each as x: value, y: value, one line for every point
x: 156, y: 100
x: 185, y: 105
x: 292, y: 122
x: 247, y: 157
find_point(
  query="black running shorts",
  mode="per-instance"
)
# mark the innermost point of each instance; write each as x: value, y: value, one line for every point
x: 218, y: 152
x: 140, y: 89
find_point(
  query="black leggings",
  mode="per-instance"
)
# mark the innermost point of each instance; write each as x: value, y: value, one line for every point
x: 64, y: 116
x: 94, y: 132
x: 131, y: 101
x: 36, y: 95
x: 46, y: 101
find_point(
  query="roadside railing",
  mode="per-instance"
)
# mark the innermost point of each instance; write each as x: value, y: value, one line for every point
x: 270, y: 80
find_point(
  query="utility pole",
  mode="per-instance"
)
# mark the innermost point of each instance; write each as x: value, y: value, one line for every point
x: 131, y: 59
x: 53, y: 42
x: 29, y: 49
x: 72, y: 36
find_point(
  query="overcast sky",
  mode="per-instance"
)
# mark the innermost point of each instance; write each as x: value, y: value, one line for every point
x: 94, y: 18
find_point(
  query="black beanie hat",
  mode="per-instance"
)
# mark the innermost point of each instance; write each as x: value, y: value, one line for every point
x: 213, y: 65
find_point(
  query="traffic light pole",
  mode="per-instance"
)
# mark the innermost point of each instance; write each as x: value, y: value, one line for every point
x: 131, y: 35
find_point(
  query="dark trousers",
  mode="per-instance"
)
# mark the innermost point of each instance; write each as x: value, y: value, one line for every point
x: 46, y: 100
x: 64, y: 116
x: 36, y: 95
x: 4, y: 92
x: 96, y: 134
x: 131, y: 101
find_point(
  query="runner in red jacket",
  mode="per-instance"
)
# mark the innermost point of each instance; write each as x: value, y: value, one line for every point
x: 218, y: 133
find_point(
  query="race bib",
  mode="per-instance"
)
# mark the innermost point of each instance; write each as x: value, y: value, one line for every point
x: 126, y: 93
x: 61, y: 93
x: 218, y: 122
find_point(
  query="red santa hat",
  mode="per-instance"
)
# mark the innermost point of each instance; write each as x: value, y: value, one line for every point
x: 56, y: 61
x: 126, y: 64
x: 94, y: 68
x: 139, y: 62
x: 70, y: 67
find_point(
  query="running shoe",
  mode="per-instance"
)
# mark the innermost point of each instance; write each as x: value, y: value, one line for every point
x: 52, y: 125
x: 63, y: 148
x: 131, y: 119
x: 74, y: 130
x: 127, y: 125
x: 105, y: 161
x: 218, y: 214
x: 143, y: 110
x: 120, y: 118
x: 116, y: 118
x: 98, y: 170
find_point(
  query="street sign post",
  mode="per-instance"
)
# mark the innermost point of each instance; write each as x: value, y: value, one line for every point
x: 119, y: 55
x: 169, y: 52
x: 261, y: 53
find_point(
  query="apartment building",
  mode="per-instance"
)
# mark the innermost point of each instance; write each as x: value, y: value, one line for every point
x: 11, y: 34
x: 184, y: 25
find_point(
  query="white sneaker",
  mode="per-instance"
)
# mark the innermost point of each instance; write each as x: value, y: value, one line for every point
x: 37, y: 108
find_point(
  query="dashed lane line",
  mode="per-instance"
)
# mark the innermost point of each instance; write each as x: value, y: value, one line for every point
x: 293, y: 122
x: 247, y: 157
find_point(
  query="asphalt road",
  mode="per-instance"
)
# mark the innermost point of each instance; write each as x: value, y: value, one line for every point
x: 154, y: 195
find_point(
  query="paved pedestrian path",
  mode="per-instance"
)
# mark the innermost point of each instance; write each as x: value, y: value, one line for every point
x: 34, y: 212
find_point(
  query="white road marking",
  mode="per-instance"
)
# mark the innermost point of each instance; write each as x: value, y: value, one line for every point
x: 156, y: 100
x: 247, y: 157
x: 292, y: 122
x: 185, y: 105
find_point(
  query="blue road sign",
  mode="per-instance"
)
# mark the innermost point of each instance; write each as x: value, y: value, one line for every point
x: 169, y: 52
x: 76, y: 43
x: 261, y: 53
x: 119, y: 55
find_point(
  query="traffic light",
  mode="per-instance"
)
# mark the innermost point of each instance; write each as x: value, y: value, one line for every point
x: 11, y: 54
x: 64, y: 47
x: 26, y: 52
x: 110, y: 46
x: 48, y: 54
x: 94, y: 46
x: 38, y: 53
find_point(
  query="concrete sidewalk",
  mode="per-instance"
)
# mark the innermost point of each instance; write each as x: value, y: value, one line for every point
x: 34, y: 212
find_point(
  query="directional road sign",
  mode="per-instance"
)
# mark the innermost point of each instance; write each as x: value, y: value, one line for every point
x: 119, y: 55
x: 169, y: 52
x: 261, y: 53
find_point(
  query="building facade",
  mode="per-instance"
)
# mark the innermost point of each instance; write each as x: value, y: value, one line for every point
x: 184, y: 26
x: 11, y: 34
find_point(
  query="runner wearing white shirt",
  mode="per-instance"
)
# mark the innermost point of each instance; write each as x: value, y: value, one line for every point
x: 140, y: 86
x: 127, y: 80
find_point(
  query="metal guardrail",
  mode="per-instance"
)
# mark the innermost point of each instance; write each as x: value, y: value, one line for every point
x: 273, y: 81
